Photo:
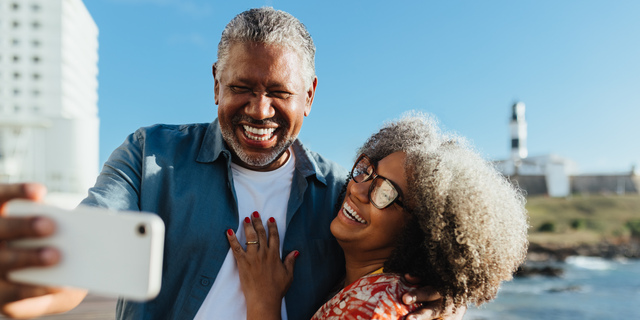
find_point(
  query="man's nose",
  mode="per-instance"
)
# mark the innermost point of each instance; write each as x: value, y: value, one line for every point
x: 260, y: 106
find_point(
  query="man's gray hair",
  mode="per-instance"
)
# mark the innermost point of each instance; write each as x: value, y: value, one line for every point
x: 269, y: 26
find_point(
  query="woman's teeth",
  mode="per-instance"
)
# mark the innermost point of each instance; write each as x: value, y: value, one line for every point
x: 352, y: 214
x: 258, y: 134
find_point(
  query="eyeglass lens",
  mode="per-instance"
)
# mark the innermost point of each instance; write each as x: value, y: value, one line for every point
x: 382, y: 192
x: 362, y: 170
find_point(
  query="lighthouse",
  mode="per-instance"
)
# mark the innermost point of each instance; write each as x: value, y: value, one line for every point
x: 518, y: 126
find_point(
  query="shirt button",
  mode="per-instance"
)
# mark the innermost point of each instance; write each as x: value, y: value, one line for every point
x: 204, y: 282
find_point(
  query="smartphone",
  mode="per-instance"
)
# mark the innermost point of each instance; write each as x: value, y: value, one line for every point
x: 112, y: 253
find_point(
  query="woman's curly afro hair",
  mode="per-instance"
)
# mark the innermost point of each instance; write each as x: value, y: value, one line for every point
x: 468, y: 230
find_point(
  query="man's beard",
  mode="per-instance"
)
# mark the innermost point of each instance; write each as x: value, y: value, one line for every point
x: 262, y: 160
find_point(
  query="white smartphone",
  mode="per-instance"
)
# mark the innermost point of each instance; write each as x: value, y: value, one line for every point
x: 113, y: 253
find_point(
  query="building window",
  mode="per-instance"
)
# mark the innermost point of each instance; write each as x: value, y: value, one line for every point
x: 36, y: 59
x: 35, y: 7
x: 36, y: 76
x: 15, y: 6
x: 36, y: 25
x: 36, y: 93
x: 35, y: 43
x: 16, y: 75
x: 16, y: 92
x: 16, y: 59
x: 15, y: 42
x: 15, y: 24
x: 16, y: 108
x: 36, y: 109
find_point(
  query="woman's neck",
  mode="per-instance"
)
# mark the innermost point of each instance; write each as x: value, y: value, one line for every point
x: 357, y: 267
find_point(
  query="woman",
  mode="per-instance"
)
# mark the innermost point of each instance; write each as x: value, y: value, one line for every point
x: 419, y: 201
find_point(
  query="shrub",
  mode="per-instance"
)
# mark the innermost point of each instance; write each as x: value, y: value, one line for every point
x: 578, y: 224
x: 547, y: 227
x: 634, y: 227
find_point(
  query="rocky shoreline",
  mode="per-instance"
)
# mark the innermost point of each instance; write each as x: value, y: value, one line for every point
x: 546, y: 259
x: 608, y: 250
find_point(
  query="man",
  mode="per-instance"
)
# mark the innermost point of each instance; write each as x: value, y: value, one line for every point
x: 203, y: 179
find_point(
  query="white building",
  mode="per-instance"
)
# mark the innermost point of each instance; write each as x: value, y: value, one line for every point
x: 556, y: 171
x: 553, y: 175
x: 48, y: 94
x: 547, y: 174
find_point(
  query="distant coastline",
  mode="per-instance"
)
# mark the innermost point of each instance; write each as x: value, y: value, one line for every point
x: 604, y: 226
x: 558, y: 253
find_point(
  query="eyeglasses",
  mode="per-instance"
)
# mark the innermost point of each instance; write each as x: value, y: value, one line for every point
x: 382, y: 191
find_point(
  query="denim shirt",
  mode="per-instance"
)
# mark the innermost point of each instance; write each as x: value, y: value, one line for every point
x: 182, y: 173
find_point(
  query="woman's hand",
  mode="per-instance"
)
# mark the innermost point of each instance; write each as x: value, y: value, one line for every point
x: 264, y: 278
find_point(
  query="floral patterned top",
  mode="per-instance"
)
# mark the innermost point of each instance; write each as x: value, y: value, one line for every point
x: 375, y: 296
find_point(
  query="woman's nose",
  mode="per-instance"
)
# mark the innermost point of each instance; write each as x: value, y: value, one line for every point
x: 360, y: 190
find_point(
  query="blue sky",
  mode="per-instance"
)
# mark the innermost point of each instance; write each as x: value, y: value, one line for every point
x: 575, y: 64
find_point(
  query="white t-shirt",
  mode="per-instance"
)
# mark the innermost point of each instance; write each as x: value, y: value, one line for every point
x: 265, y: 192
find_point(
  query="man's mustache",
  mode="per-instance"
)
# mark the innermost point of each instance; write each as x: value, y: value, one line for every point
x: 270, y: 121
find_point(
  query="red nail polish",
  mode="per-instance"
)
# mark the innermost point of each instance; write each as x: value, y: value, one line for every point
x: 247, y: 220
x: 256, y: 214
x: 272, y: 220
x: 296, y: 254
x: 230, y: 232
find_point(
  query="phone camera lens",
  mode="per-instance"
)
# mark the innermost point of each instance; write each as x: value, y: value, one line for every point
x: 142, y: 229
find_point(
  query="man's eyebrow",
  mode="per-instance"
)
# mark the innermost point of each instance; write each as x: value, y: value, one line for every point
x: 239, y: 81
x: 287, y: 86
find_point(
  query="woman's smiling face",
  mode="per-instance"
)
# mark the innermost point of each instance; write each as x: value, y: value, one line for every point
x: 362, y: 227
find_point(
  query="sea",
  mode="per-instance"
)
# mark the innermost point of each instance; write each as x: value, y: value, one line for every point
x: 590, y: 288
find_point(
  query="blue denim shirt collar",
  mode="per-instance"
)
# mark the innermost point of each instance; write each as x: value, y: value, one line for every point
x: 213, y: 146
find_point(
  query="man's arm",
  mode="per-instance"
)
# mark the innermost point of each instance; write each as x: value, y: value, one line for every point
x: 26, y: 301
x: 431, y: 301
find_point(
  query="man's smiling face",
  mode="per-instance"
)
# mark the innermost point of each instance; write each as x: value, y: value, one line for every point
x: 262, y: 100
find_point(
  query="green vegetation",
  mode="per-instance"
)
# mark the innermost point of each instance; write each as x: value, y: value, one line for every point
x: 584, y: 219
x: 547, y: 227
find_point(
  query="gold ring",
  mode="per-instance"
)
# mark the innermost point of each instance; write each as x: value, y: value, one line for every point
x: 251, y: 242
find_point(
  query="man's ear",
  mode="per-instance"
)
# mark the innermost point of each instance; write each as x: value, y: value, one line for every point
x: 311, y: 92
x: 216, y: 84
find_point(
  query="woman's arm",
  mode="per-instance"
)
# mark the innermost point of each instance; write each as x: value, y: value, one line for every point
x: 264, y: 278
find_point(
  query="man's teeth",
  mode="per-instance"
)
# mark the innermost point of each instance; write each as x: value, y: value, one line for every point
x: 258, y: 134
x: 352, y: 214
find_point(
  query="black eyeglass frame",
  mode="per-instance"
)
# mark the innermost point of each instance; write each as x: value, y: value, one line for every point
x: 373, y: 176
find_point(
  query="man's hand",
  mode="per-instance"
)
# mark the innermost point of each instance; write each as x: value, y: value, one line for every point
x: 26, y: 301
x: 430, y: 300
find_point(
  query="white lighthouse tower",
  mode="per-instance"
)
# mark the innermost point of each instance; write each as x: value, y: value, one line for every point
x: 48, y: 94
x: 518, y: 126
